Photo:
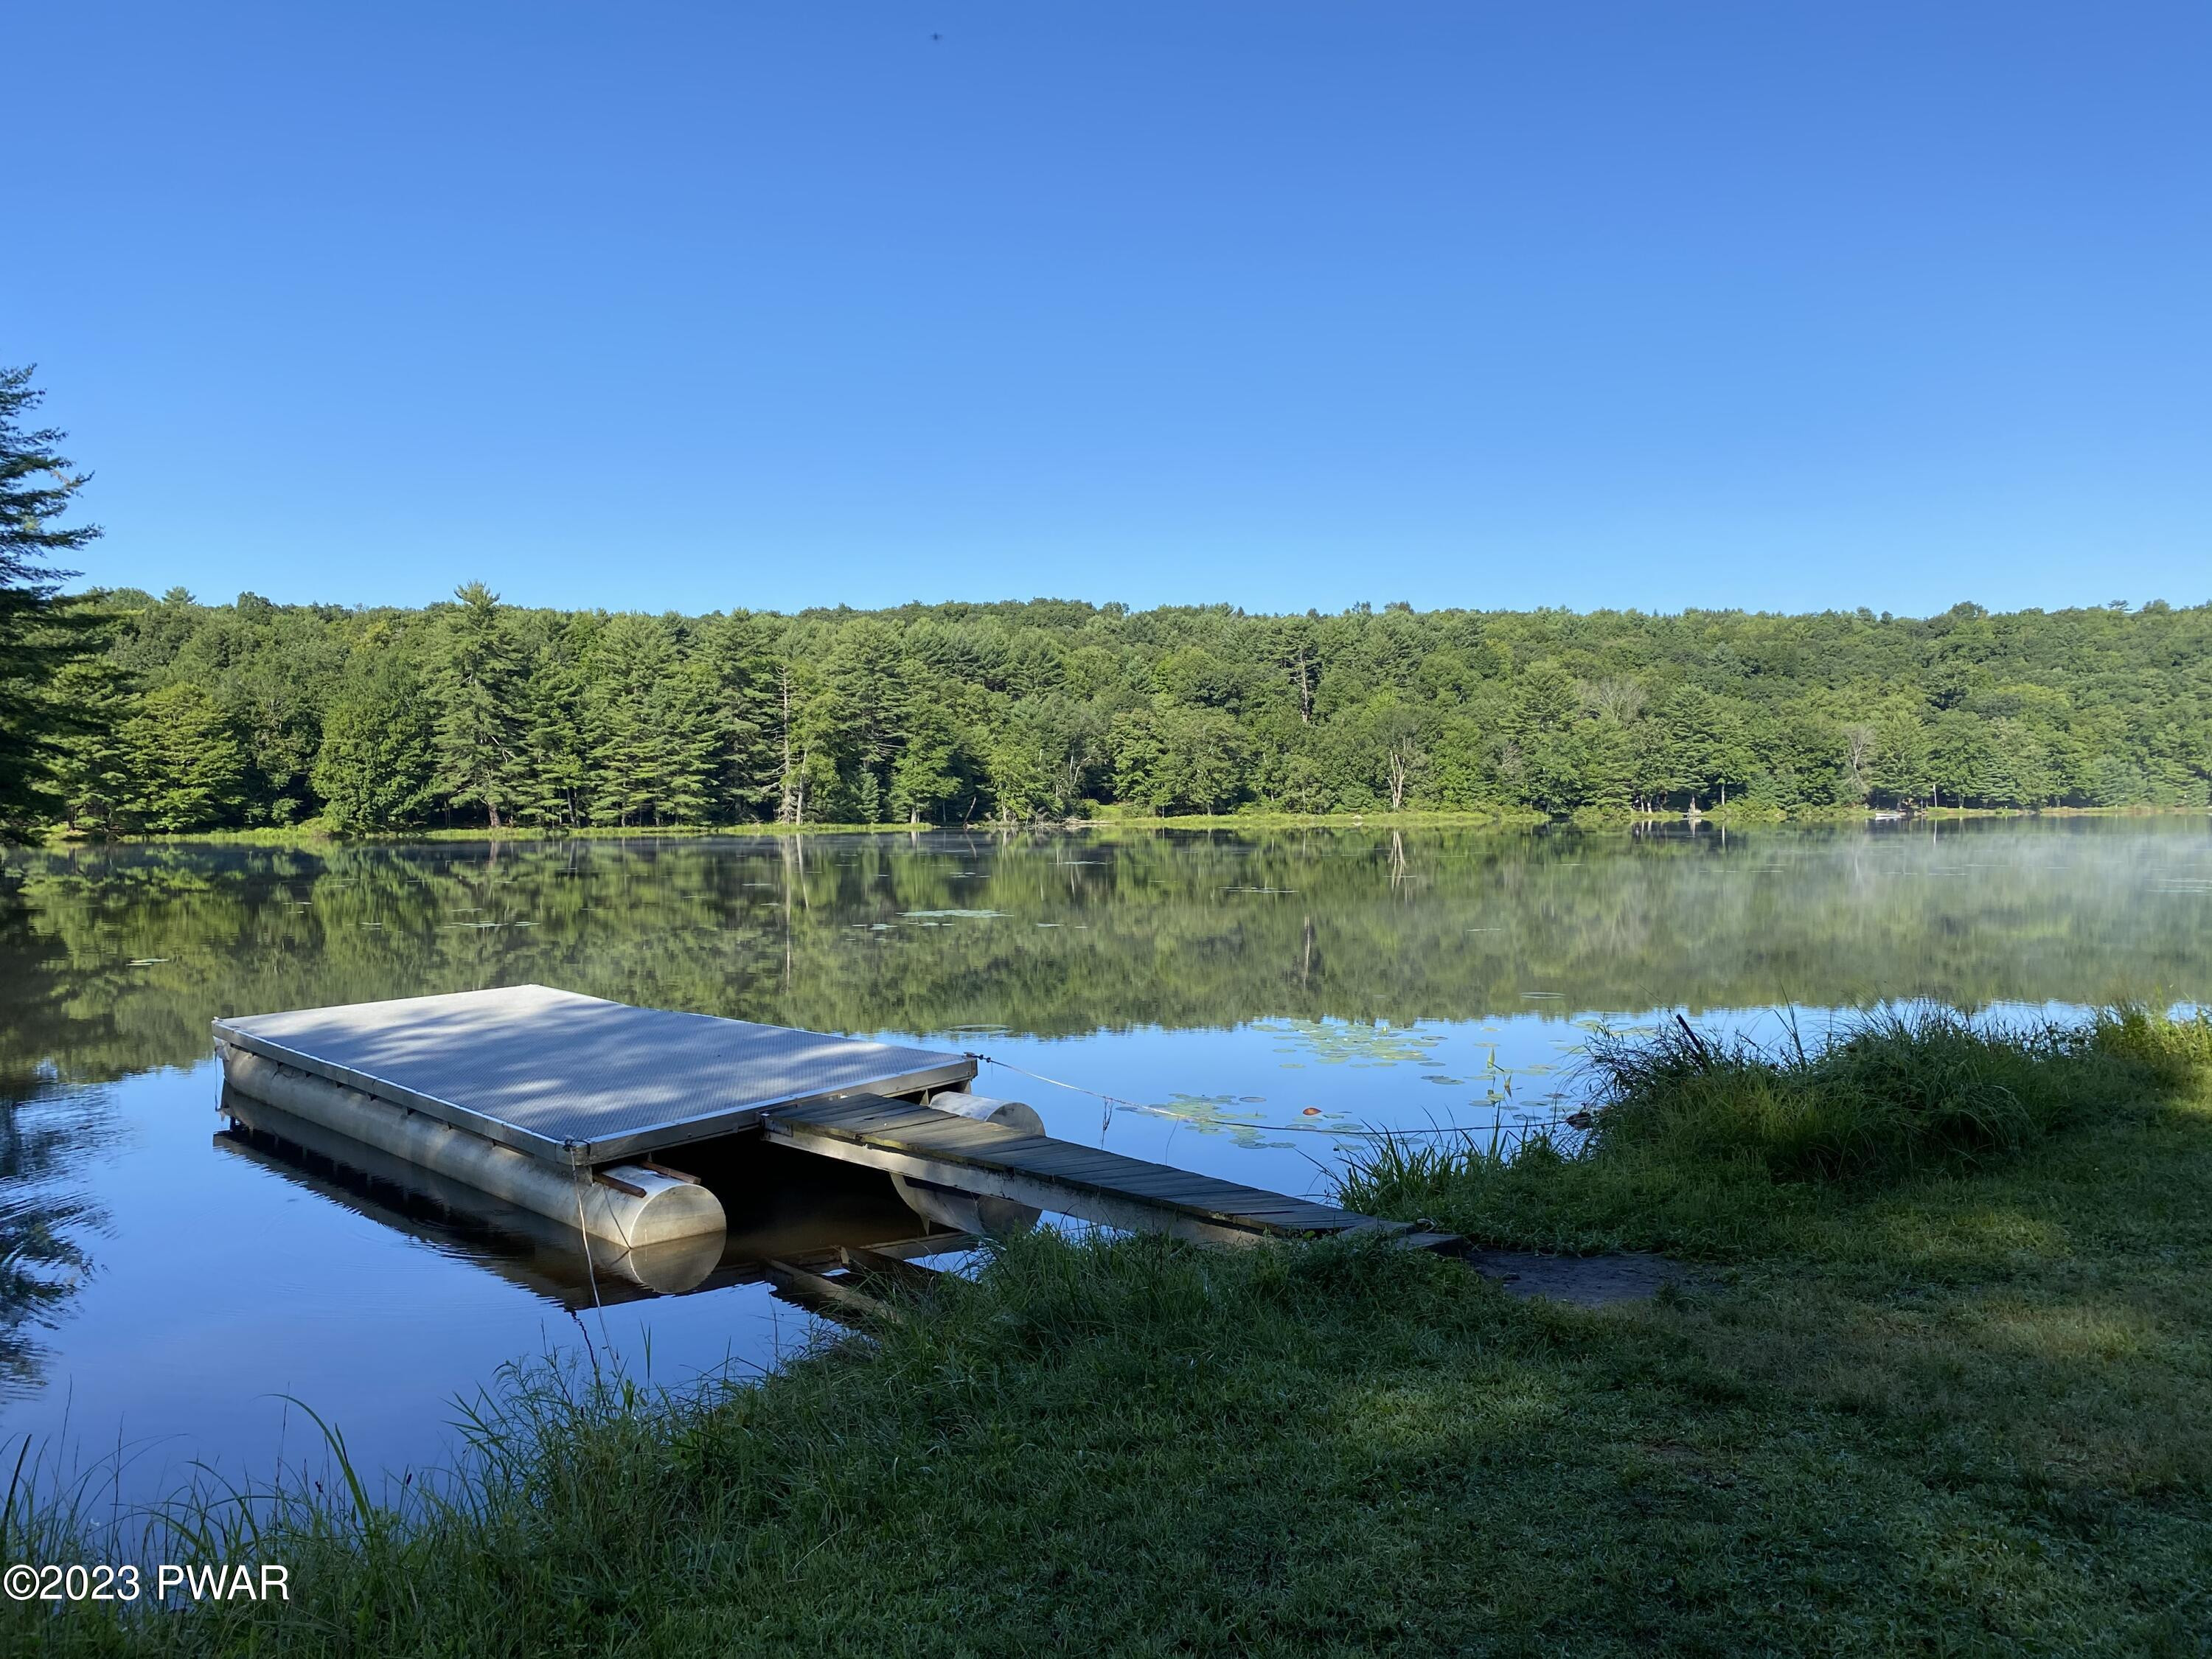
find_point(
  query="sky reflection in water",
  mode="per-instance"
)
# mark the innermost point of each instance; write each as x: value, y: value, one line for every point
x: 1252, y: 1002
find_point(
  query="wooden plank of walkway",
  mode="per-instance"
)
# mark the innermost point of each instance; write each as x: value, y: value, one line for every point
x: 973, y: 1156
x: 835, y: 1293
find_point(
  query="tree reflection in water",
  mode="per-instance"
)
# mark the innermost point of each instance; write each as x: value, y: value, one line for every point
x: 47, y: 1133
x: 113, y: 960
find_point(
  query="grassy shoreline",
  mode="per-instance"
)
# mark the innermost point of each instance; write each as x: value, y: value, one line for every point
x: 1944, y: 1387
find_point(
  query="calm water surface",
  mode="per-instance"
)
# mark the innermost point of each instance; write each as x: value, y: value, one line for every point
x: 1252, y: 1002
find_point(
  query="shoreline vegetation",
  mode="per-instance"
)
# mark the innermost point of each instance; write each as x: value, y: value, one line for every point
x: 317, y: 832
x: 1940, y: 1385
x: 164, y: 715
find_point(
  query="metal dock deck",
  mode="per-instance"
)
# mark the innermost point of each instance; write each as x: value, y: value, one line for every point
x: 575, y: 1079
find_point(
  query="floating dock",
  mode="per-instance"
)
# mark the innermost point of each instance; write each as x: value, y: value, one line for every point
x: 572, y: 1107
x: 577, y: 1080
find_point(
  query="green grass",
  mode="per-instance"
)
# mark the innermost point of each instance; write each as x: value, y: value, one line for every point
x: 1709, y: 1148
x: 1948, y: 1391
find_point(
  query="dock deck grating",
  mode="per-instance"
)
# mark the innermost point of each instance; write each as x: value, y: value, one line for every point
x: 575, y: 1079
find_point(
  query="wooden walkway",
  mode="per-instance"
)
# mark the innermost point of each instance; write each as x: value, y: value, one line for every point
x: 965, y: 1156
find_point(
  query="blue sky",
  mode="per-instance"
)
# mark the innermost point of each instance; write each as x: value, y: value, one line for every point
x: 653, y: 305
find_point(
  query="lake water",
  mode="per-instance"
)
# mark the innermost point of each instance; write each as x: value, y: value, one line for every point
x: 1252, y: 1003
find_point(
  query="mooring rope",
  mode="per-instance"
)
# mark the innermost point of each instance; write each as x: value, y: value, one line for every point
x: 1521, y: 1130
x: 584, y: 1233
x: 1112, y: 1101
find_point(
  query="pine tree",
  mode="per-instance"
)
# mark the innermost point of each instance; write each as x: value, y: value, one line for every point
x: 1608, y: 764
x: 94, y: 772
x: 1545, y: 728
x: 1143, y: 773
x: 811, y: 729
x: 40, y: 633
x: 187, y: 770
x: 651, y: 727
x: 476, y: 685
x: 683, y: 709
x: 737, y: 655
x: 552, y: 779
x: 1708, y: 744
x: 864, y: 709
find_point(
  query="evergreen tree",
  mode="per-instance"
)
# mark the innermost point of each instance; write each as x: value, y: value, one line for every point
x: 871, y: 689
x: 1608, y: 778
x: 475, y: 685
x: 39, y: 633
x: 651, y: 727
x: 737, y: 653
x: 95, y: 768
x: 187, y: 770
x: 551, y: 781
x: 1544, y: 727
x: 273, y: 669
x: 1142, y: 773
x: 1708, y: 744
x: 95, y: 771
x: 943, y: 713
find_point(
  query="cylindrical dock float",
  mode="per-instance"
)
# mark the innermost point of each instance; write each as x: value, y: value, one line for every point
x: 974, y: 1212
x: 625, y: 1205
x: 669, y: 1269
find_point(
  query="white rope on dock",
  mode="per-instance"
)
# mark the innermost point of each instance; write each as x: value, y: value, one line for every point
x: 584, y: 1236
x: 1522, y: 1131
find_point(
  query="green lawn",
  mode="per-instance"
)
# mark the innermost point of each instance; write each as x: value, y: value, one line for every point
x: 1954, y: 1395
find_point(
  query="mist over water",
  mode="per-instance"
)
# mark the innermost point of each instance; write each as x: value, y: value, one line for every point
x: 1252, y: 1003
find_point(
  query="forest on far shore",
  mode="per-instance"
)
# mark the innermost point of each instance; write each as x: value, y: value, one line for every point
x: 471, y: 712
x: 122, y: 713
